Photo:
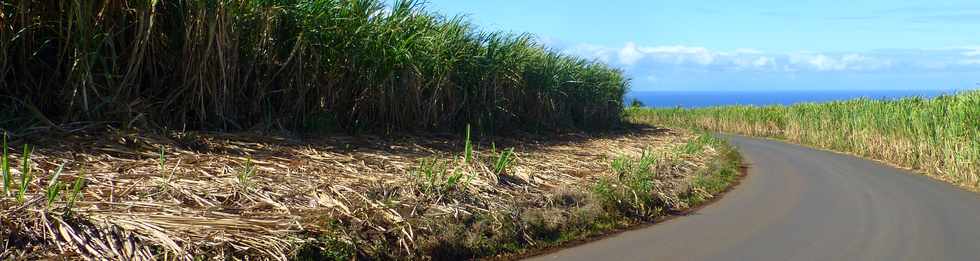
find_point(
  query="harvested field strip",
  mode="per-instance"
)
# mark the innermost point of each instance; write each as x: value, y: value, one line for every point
x: 338, y: 197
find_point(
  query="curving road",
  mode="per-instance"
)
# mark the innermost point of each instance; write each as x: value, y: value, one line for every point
x: 804, y: 204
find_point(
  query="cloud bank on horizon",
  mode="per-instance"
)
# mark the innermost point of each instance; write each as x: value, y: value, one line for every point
x: 746, y: 59
x: 665, y: 67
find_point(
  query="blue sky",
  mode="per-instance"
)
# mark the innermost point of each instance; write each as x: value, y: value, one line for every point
x: 755, y: 44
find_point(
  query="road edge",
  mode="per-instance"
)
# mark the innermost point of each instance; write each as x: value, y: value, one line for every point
x: 912, y: 170
x: 729, y: 160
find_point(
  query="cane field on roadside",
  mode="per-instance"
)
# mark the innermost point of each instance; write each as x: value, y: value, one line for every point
x: 938, y: 136
x: 299, y: 65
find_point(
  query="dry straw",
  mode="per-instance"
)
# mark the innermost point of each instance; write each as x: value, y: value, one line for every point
x: 366, y: 192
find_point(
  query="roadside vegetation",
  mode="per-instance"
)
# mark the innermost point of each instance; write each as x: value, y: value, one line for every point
x: 296, y: 65
x: 219, y: 196
x: 939, y: 136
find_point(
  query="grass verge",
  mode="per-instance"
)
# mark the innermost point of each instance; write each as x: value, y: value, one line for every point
x: 939, y: 137
x: 434, y: 197
x: 707, y: 185
x: 639, y: 190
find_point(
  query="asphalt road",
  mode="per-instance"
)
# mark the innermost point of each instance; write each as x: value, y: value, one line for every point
x: 804, y: 204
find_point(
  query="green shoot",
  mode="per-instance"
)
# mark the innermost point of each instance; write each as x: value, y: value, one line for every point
x: 5, y: 167
x: 503, y: 161
x: 55, y: 187
x: 431, y: 171
x: 162, y: 162
x: 25, y: 175
x: 437, y: 177
x: 453, y: 180
x: 468, y: 149
x: 76, y: 190
x: 629, y: 189
x: 246, y: 174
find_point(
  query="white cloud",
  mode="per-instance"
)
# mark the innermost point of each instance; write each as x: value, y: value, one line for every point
x: 600, y: 53
x: 846, y: 62
x: 630, y: 54
x: 681, y: 54
x: 859, y: 62
x: 696, y: 67
x: 744, y: 59
x: 755, y: 62
x: 666, y: 60
x: 824, y: 63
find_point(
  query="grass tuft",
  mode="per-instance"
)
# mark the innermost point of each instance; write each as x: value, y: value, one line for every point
x: 630, y: 191
x: 26, y: 175
x: 437, y: 178
x: 54, y: 187
x: 162, y: 160
x: 245, y: 175
x: 5, y: 167
x: 503, y: 161
x: 76, y: 190
x: 468, y: 147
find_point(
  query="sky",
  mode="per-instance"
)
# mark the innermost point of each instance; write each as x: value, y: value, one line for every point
x: 754, y: 45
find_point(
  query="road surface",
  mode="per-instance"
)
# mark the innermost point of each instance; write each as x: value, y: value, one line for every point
x: 804, y: 204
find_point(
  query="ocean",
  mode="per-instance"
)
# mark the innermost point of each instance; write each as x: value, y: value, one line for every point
x: 698, y: 99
